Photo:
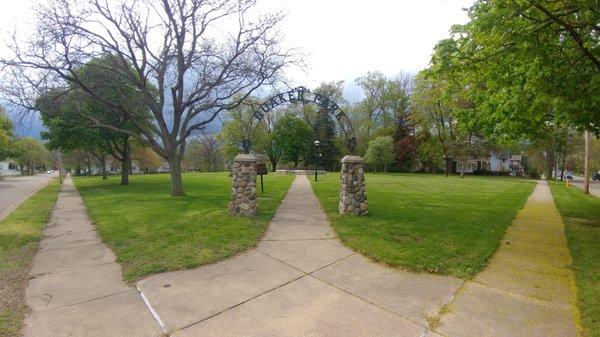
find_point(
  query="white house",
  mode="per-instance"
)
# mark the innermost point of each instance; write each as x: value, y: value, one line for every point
x: 494, y: 163
x: 9, y: 168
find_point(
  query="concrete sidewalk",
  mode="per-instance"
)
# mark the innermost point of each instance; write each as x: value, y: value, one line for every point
x: 299, y: 281
x: 76, y: 287
x: 527, y: 289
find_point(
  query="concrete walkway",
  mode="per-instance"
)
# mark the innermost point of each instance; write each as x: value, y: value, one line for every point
x: 299, y: 281
x: 76, y: 287
x: 527, y: 288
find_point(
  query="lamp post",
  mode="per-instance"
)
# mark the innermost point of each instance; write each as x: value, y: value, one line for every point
x: 316, y: 143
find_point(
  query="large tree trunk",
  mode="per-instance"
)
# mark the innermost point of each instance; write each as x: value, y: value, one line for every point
x: 562, y: 172
x: 464, y: 167
x: 274, y: 161
x: 126, y: 163
x: 586, y: 163
x: 103, y: 166
x: 447, y: 168
x: 176, y: 181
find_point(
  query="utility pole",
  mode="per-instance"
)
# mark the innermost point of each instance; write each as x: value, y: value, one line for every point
x: 586, y: 163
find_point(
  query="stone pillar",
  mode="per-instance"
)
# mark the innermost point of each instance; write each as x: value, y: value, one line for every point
x: 353, y: 196
x: 243, y: 193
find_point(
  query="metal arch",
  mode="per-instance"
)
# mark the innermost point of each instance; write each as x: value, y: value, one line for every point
x: 303, y: 95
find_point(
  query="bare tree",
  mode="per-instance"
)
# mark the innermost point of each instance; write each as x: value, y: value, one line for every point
x: 204, y: 154
x: 190, y: 60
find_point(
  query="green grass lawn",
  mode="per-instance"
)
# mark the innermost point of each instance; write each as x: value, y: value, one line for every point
x: 428, y: 222
x: 581, y: 214
x: 152, y: 232
x: 20, y: 233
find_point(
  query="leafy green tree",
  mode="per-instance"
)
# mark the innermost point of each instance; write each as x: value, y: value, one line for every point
x: 527, y: 66
x: 273, y: 151
x: 31, y: 154
x: 72, y: 116
x: 5, y: 135
x: 239, y: 125
x: 380, y: 152
x: 371, y: 107
x: 293, y: 137
x: 434, y: 111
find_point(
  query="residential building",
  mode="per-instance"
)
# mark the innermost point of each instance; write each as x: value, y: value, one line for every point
x: 494, y: 163
x: 9, y: 168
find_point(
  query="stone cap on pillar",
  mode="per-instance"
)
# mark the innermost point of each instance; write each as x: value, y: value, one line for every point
x: 243, y: 157
x: 353, y: 159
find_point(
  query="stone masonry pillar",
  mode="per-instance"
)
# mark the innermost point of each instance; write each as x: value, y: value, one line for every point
x: 353, y: 196
x: 243, y: 193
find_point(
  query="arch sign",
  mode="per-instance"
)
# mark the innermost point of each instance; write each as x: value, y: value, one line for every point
x: 305, y: 96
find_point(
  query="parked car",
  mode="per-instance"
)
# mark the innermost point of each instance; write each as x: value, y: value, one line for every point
x: 569, y: 175
x: 596, y: 176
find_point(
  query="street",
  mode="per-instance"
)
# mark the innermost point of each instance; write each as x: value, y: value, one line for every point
x: 14, y: 190
x: 594, y: 185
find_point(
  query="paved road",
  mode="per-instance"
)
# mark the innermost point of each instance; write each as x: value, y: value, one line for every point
x: 594, y: 185
x: 14, y: 190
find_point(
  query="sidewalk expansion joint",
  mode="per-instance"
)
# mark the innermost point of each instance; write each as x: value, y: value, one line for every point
x: 372, y: 303
x: 243, y: 302
x: 152, y: 311
x: 546, y: 303
x: 72, y: 245
x: 82, y: 302
x: 70, y: 270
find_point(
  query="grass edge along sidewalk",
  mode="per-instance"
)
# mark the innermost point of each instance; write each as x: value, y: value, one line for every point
x: 428, y: 223
x: 20, y: 234
x: 151, y: 232
x: 581, y: 215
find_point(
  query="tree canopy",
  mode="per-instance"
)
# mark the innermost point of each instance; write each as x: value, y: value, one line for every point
x: 5, y: 135
x: 524, y: 65
x: 293, y: 137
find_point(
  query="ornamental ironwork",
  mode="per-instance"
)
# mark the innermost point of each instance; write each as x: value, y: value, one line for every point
x: 305, y: 96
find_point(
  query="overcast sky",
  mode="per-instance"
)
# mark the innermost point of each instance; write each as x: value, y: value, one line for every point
x: 342, y: 39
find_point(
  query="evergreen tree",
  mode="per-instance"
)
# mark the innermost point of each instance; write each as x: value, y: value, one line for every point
x: 324, y: 131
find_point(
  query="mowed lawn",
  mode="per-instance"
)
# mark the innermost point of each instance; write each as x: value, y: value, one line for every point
x: 152, y: 232
x: 581, y: 214
x: 428, y: 223
x: 20, y: 234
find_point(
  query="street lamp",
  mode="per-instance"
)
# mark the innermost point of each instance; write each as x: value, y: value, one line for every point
x: 316, y: 143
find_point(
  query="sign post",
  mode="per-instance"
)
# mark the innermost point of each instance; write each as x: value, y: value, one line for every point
x: 261, y: 169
